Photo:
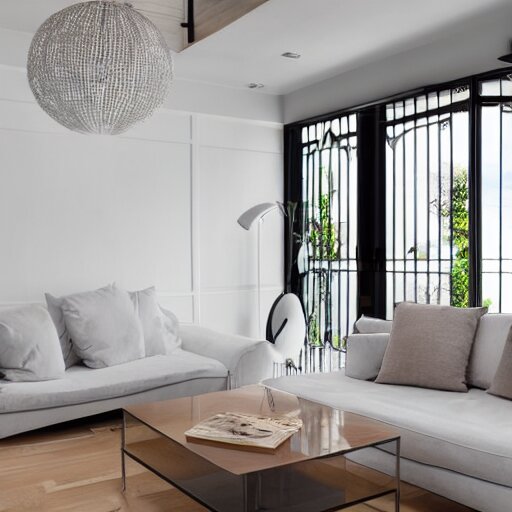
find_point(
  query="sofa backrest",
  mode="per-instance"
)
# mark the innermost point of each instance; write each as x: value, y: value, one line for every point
x: 487, y: 350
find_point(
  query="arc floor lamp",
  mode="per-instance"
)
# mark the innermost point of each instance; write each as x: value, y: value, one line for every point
x: 256, y: 214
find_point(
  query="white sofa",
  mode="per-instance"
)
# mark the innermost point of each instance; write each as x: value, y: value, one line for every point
x: 207, y: 361
x: 458, y: 445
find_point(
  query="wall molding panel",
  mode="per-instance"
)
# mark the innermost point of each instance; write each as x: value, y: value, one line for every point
x: 157, y: 206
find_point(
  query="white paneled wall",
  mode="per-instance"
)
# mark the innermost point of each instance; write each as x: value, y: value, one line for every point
x: 156, y: 206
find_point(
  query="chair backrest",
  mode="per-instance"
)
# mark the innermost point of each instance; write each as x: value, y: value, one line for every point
x: 286, y: 326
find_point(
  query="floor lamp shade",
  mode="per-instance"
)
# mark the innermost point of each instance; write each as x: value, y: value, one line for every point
x: 254, y: 213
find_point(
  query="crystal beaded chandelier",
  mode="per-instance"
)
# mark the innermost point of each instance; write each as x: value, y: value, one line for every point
x: 99, y: 67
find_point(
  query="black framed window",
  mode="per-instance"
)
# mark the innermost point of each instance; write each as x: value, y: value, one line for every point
x: 433, y: 196
x: 495, y: 98
x: 327, y: 232
x: 427, y: 216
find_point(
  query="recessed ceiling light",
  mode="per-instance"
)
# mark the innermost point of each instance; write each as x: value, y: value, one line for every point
x: 291, y: 55
x: 255, y: 85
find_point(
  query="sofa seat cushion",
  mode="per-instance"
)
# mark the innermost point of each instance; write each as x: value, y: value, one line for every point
x: 469, y: 433
x: 82, y: 384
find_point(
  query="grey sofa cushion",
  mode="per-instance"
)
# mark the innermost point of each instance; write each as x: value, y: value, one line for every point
x: 430, y: 346
x: 161, y: 332
x: 364, y: 355
x: 103, y: 326
x: 83, y: 385
x: 502, y: 382
x: 54, y: 308
x: 29, y: 345
x: 486, y: 353
x: 465, y: 432
x: 370, y: 325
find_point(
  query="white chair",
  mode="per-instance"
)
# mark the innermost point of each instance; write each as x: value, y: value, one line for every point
x: 286, y: 328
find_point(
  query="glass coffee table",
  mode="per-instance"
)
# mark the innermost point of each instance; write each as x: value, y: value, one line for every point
x: 313, y: 471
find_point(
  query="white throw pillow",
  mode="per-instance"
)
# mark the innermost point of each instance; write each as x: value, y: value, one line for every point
x: 103, y: 326
x: 29, y: 345
x: 160, y: 331
x: 66, y: 345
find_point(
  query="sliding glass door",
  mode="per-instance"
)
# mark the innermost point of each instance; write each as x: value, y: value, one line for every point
x: 405, y: 199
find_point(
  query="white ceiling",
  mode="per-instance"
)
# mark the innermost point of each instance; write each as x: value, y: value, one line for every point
x: 332, y: 35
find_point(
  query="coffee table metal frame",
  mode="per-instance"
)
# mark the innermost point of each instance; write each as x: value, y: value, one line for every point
x: 251, y: 480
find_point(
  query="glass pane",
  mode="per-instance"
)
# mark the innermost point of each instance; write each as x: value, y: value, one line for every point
x: 460, y: 93
x: 344, y: 125
x: 506, y: 185
x: 389, y: 296
x: 506, y: 298
x: 491, y: 265
x: 409, y: 107
x: 352, y: 123
x: 444, y: 98
x: 491, y: 190
x: 490, y: 88
x: 399, y: 109
x: 490, y: 292
x: 421, y: 104
x: 496, y: 171
x: 506, y: 86
x: 506, y: 266
x: 335, y: 127
x: 433, y: 101
x: 390, y: 114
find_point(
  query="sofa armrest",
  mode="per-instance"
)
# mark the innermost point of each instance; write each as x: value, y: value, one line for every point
x: 248, y: 360
x: 365, y: 353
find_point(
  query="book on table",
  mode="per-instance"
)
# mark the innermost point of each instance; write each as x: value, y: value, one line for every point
x: 244, y: 431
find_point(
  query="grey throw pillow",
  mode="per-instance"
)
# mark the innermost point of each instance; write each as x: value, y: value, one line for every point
x: 103, y: 326
x: 364, y: 355
x: 66, y: 345
x: 161, y: 333
x: 430, y: 346
x: 29, y: 345
x: 490, y: 340
x: 502, y: 382
x: 371, y: 325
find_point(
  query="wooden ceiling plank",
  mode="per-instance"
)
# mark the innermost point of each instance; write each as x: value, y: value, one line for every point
x: 213, y: 15
x: 210, y: 16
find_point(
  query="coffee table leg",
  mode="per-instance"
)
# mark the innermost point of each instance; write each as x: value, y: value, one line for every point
x: 123, y: 462
x: 252, y: 492
x: 397, y: 473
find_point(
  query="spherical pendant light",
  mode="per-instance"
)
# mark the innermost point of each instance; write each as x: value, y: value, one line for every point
x: 99, y: 67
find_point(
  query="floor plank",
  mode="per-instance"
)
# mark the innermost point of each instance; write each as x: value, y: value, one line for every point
x: 77, y: 467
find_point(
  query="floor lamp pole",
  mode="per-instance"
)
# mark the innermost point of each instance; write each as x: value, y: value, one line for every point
x: 246, y: 220
x: 260, y: 334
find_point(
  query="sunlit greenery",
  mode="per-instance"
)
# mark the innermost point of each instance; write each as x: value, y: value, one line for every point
x: 460, y: 241
x: 460, y: 227
x: 322, y: 233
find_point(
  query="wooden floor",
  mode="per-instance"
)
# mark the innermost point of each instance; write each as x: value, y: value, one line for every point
x: 77, y: 468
